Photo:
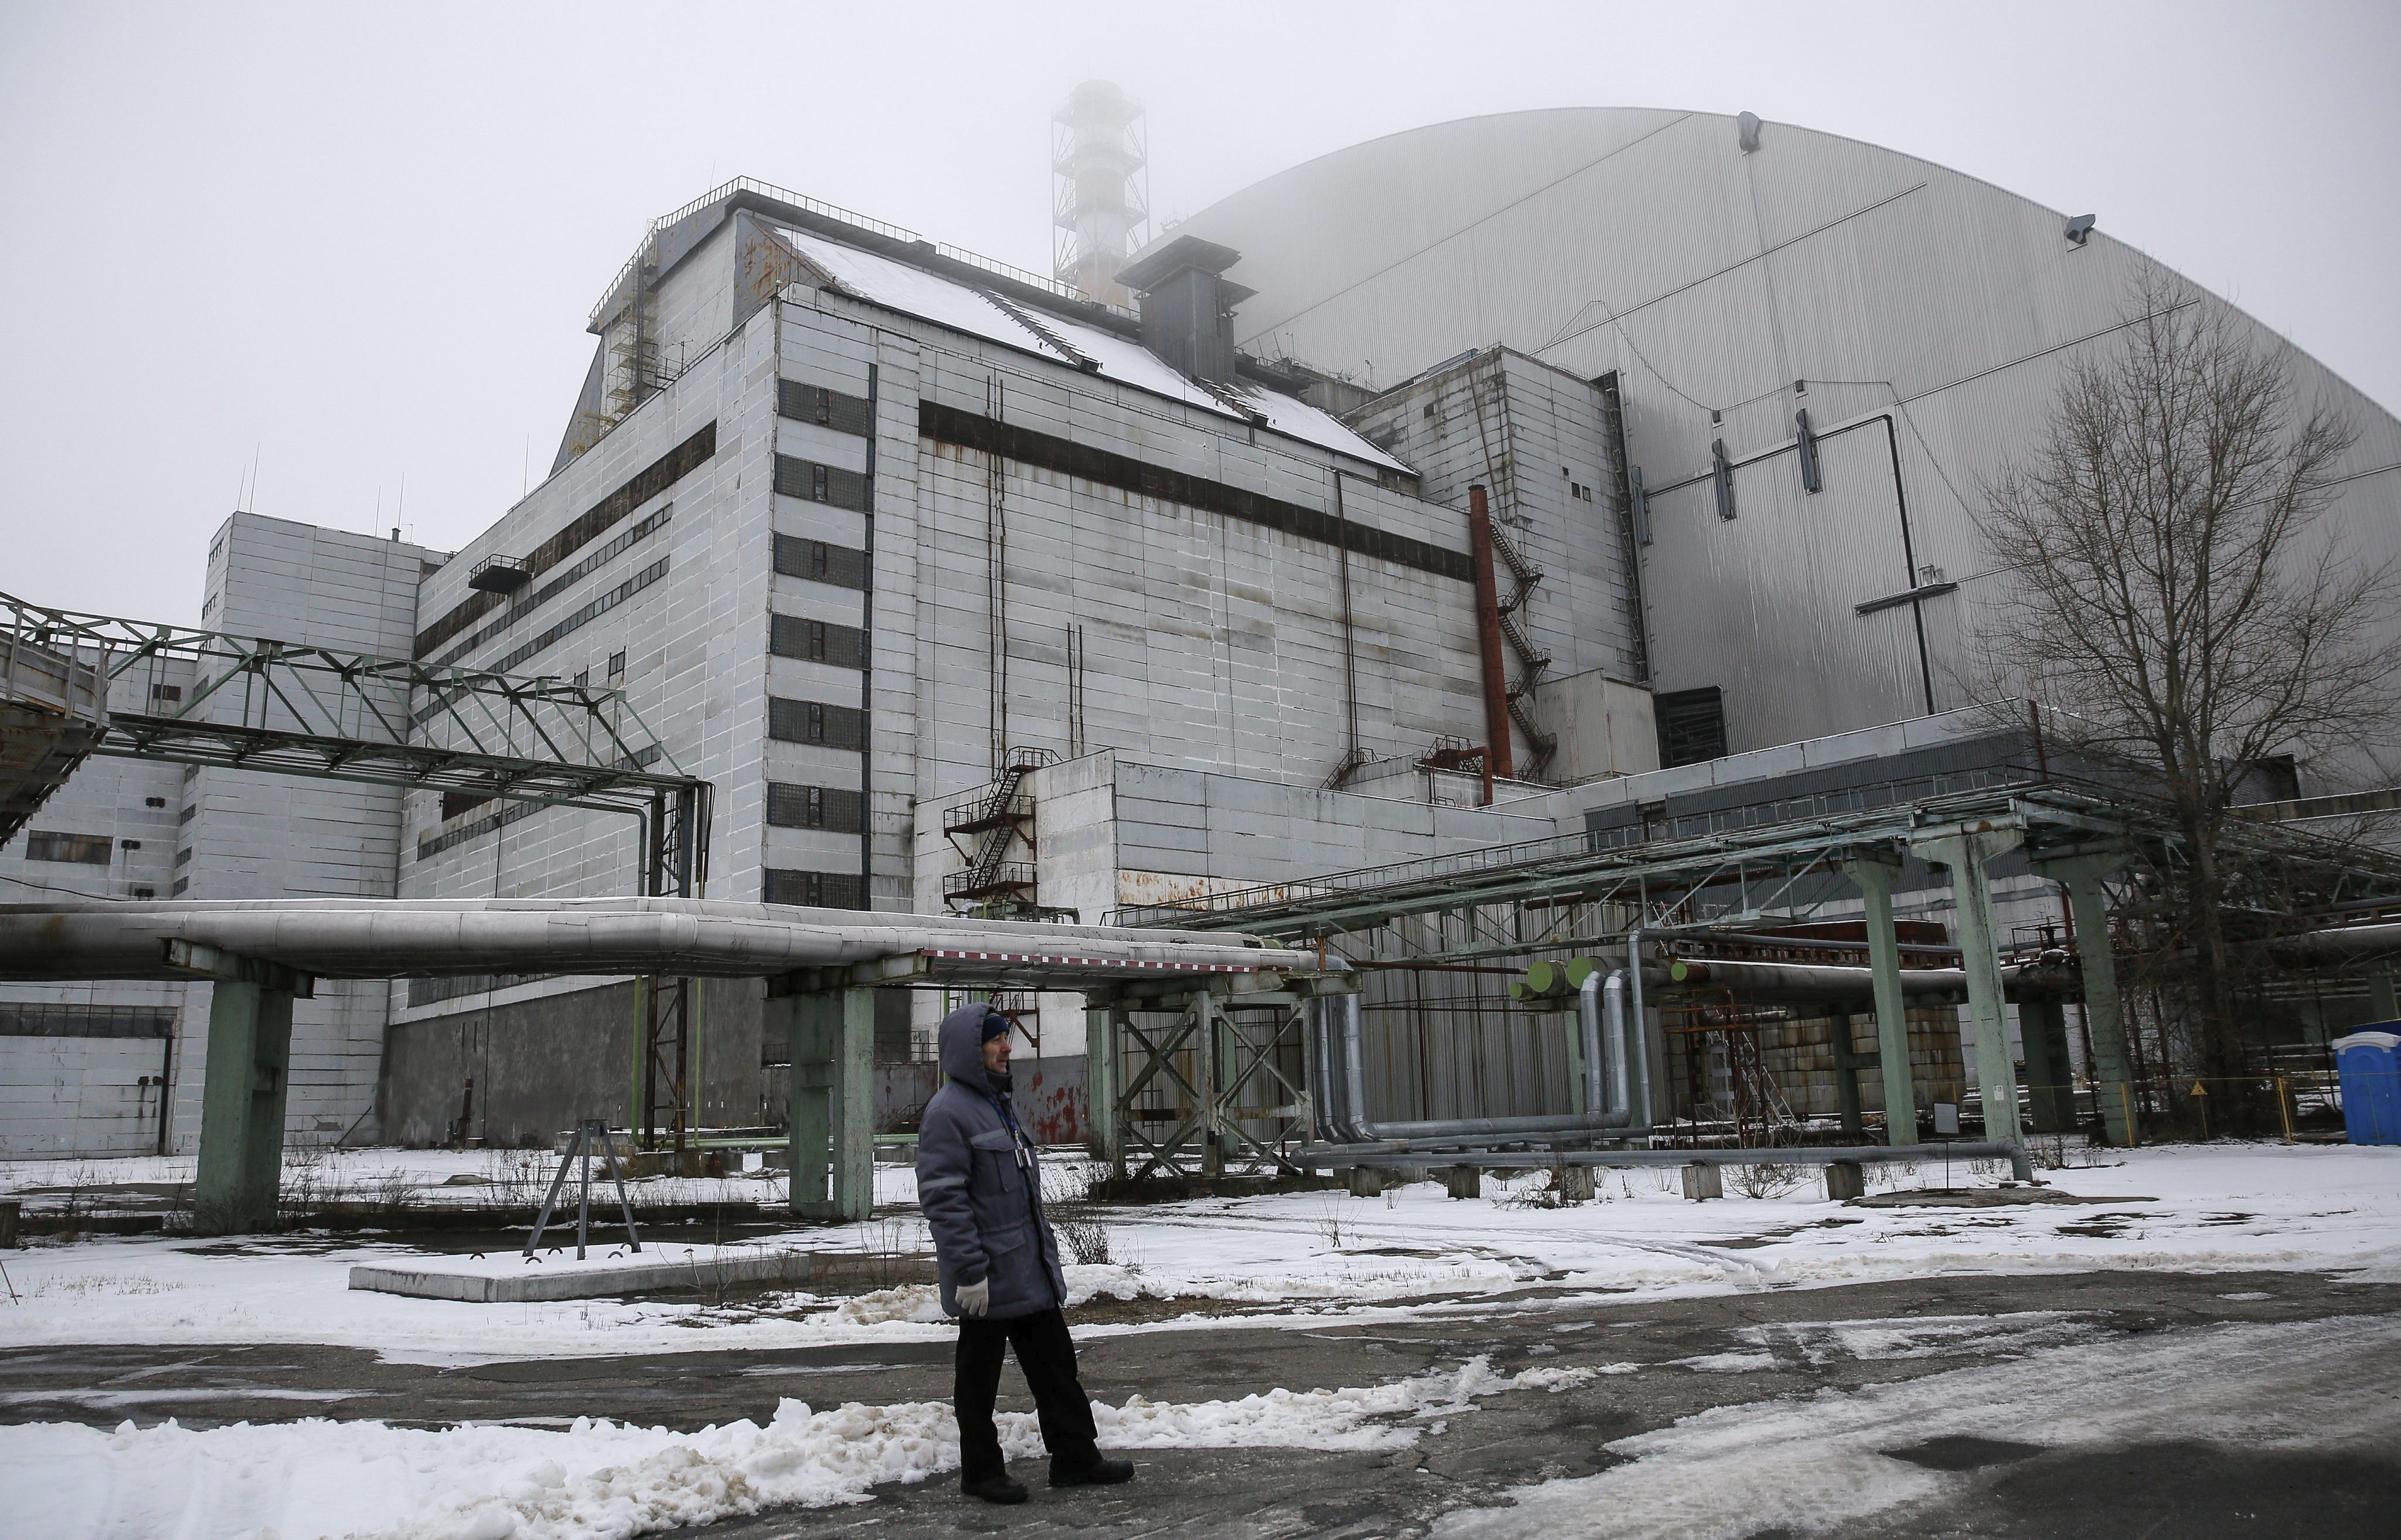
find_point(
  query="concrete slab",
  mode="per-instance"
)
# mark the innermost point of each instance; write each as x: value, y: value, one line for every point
x: 510, y: 1278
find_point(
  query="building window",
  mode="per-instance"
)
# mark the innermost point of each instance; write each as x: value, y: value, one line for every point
x: 82, y: 849
x: 129, y: 845
x: 616, y: 667
x: 456, y: 802
x: 154, y: 802
x: 145, y: 892
x: 188, y: 814
x: 816, y: 640
x: 821, y: 483
x: 181, y: 883
x: 814, y: 721
x: 169, y: 694
x: 583, y: 678
x: 184, y: 857
x: 1692, y: 726
x: 812, y: 889
x: 813, y: 807
x: 820, y: 562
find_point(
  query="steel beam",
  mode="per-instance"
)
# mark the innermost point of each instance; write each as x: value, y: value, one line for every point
x: 2105, y: 1022
x: 1876, y: 872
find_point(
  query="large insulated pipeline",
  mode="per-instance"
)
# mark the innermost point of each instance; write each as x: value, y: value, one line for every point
x: 1428, y: 1152
x: 431, y: 938
x: 1354, y: 1072
x: 1596, y: 1083
x: 1613, y: 990
x: 1640, y: 1026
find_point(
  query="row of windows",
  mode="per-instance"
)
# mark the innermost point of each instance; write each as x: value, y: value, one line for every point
x: 559, y: 585
x: 827, y: 408
x: 813, y: 807
x: 85, y: 1021
x: 656, y: 477
x: 813, y: 482
x: 816, y: 640
x: 591, y: 611
x: 813, y: 889
x: 815, y: 722
x: 820, y: 562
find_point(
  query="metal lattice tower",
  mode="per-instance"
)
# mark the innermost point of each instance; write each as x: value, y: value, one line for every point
x: 1100, y: 159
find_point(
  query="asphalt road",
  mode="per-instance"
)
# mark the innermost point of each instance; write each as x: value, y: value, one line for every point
x: 2004, y: 1488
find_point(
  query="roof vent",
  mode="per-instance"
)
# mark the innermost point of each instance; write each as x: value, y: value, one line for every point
x: 1187, y: 309
x: 1746, y: 132
x: 2079, y: 229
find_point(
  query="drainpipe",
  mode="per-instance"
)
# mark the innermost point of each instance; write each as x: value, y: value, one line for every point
x: 1497, y: 751
x: 1355, y: 1074
x: 1614, y: 993
x: 1640, y: 1025
x: 1588, y: 1028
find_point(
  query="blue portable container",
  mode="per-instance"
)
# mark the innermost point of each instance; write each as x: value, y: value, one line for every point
x: 2369, y: 1062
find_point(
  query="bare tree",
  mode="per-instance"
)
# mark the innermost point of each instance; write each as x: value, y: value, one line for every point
x: 2176, y: 594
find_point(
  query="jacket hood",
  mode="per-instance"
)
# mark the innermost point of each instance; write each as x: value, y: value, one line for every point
x: 961, y: 1044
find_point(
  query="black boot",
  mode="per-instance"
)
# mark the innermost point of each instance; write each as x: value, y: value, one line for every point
x: 1096, y: 1472
x: 996, y: 1489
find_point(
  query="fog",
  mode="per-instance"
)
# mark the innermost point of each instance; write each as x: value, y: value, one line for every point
x: 332, y: 263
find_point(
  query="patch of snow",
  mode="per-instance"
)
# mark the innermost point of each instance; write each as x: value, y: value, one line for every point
x: 1814, y: 1464
x: 598, y: 1480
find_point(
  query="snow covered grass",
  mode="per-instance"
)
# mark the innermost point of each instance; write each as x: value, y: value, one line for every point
x: 1821, y: 1463
x: 595, y: 1479
x: 1294, y: 1256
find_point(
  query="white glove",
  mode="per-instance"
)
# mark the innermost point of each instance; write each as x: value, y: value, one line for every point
x: 974, y: 1299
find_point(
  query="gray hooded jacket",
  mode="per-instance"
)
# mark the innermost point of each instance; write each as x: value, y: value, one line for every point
x: 979, y: 1184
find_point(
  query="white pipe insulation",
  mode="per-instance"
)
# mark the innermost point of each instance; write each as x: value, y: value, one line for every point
x: 696, y: 937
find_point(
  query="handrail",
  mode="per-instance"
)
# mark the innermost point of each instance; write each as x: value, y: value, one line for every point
x: 847, y: 216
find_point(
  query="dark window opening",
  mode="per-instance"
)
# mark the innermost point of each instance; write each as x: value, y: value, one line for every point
x: 456, y: 802
x: 154, y: 802
x: 814, y: 721
x: 171, y: 693
x: 813, y: 807
x: 819, y: 562
x: 1692, y: 726
x: 812, y: 889
x: 82, y: 849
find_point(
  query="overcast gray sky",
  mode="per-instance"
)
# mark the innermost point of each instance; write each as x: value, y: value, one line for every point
x: 359, y: 242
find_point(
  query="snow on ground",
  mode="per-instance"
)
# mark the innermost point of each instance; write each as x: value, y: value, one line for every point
x: 1817, y: 1464
x: 597, y: 1479
x: 1290, y: 1256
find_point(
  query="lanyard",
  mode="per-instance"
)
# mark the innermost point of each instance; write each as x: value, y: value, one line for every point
x: 1016, y: 1140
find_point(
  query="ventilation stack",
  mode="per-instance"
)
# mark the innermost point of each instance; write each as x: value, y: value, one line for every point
x: 1099, y: 158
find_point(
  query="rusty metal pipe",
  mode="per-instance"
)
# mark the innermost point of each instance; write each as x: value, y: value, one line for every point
x: 1497, y: 757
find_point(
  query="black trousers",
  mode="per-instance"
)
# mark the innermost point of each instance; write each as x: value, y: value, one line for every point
x: 1047, y: 1356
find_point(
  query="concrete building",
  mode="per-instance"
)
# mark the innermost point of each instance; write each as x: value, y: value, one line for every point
x: 963, y: 589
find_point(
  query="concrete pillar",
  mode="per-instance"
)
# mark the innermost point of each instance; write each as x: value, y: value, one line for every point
x: 1575, y: 1183
x: 1846, y: 1074
x: 1875, y: 877
x: 241, y: 1101
x: 1368, y: 1181
x: 1845, y: 1180
x: 1703, y: 1180
x: 2381, y: 998
x: 1206, y: 1056
x: 2051, y: 1091
x: 1101, y: 1086
x: 1966, y: 854
x: 2113, y: 1077
x: 831, y: 1138
x: 1463, y: 1181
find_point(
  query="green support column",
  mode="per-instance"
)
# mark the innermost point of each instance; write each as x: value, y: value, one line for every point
x: 1876, y: 876
x: 1101, y: 1084
x: 2113, y: 1078
x: 244, y: 1088
x: 831, y: 1114
x: 1996, y: 1077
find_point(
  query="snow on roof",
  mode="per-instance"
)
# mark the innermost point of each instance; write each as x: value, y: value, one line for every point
x: 912, y: 291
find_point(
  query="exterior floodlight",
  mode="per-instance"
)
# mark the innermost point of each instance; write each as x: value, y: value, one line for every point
x: 1746, y: 132
x: 2080, y: 227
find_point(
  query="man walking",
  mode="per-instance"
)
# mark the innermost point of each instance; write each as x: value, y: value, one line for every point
x: 980, y: 1183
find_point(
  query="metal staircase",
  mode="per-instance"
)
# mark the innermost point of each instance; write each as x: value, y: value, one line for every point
x: 1521, y: 689
x: 996, y: 820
